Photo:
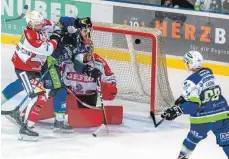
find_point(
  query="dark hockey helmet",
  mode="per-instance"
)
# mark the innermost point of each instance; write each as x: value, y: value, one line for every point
x: 83, y: 23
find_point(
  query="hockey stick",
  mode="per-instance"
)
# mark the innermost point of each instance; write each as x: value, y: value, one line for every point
x: 27, y: 96
x: 95, y: 133
x: 80, y: 101
x: 154, y: 119
x: 162, y: 120
x: 19, y: 17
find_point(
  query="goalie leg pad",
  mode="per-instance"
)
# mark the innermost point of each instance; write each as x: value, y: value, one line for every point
x: 85, y: 118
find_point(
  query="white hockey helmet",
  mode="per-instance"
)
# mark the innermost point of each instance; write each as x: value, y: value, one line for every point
x: 34, y: 18
x: 193, y: 59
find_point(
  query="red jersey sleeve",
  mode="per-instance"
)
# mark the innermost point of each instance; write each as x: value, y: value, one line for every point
x: 107, y: 69
x: 37, y: 45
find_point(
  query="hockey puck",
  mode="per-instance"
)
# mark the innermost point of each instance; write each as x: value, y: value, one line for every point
x: 94, y: 135
x: 137, y: 41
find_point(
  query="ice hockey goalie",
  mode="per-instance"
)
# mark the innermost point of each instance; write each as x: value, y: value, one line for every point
x: 79, y: 76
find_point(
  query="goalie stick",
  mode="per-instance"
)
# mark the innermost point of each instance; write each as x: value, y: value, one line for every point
x: 25, y: 9
x: 95, y: 133
x: 80, y: 101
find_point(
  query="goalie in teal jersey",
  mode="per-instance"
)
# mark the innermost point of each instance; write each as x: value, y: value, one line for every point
x: 202, y: 99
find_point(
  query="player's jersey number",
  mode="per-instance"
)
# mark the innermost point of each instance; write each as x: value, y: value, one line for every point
x: 211, y: 95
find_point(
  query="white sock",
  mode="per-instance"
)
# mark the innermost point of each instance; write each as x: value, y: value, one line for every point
x: 59, y: 116
x: 30, y: 123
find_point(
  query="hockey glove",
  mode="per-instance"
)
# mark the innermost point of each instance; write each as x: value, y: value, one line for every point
x: 56, y: 35
x: 92, y: 72
x: 172, y: 113
x: 180, y: 100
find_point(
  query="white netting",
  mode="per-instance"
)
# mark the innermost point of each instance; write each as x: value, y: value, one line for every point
x: 131, y: 62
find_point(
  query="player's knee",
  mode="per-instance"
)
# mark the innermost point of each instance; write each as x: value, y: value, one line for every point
x: 52, y: 93
x: 196, y: 137
x: 192, y: 140
x: 57, y: 92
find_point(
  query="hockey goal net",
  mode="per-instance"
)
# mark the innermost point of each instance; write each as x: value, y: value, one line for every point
x: 137, y: 58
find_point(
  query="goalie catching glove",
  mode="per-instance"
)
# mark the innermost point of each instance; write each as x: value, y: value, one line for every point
x: 92, y: 72
x: 172, y: 113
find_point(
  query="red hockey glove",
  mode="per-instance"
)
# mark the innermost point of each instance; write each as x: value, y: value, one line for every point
x: 109, y: 91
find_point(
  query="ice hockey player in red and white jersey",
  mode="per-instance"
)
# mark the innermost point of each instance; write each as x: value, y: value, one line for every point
x: 30, y: 55
x: 81, y: 76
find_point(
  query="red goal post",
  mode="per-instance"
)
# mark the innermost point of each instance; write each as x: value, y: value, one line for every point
x: 137, y: 58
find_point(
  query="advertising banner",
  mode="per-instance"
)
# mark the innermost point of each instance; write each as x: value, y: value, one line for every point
x: 182, y: 32
x: 52, y: 9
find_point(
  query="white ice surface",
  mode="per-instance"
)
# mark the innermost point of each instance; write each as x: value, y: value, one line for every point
x: 135, y: 138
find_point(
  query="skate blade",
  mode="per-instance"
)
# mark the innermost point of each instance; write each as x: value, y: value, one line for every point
x: 12, y: 121
x: 27, y: 138
x: 59, y: 130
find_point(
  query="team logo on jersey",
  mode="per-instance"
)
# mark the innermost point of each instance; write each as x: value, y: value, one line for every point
x: 196, y: 134
x: 74, y: 76
x: 186, y: 85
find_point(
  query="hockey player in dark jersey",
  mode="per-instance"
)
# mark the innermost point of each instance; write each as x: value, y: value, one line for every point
x: 203, y: 100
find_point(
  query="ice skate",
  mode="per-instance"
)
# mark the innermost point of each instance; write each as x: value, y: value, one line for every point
x: 15, y: 118
x: 26, y: 133
x: 61, y: 127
